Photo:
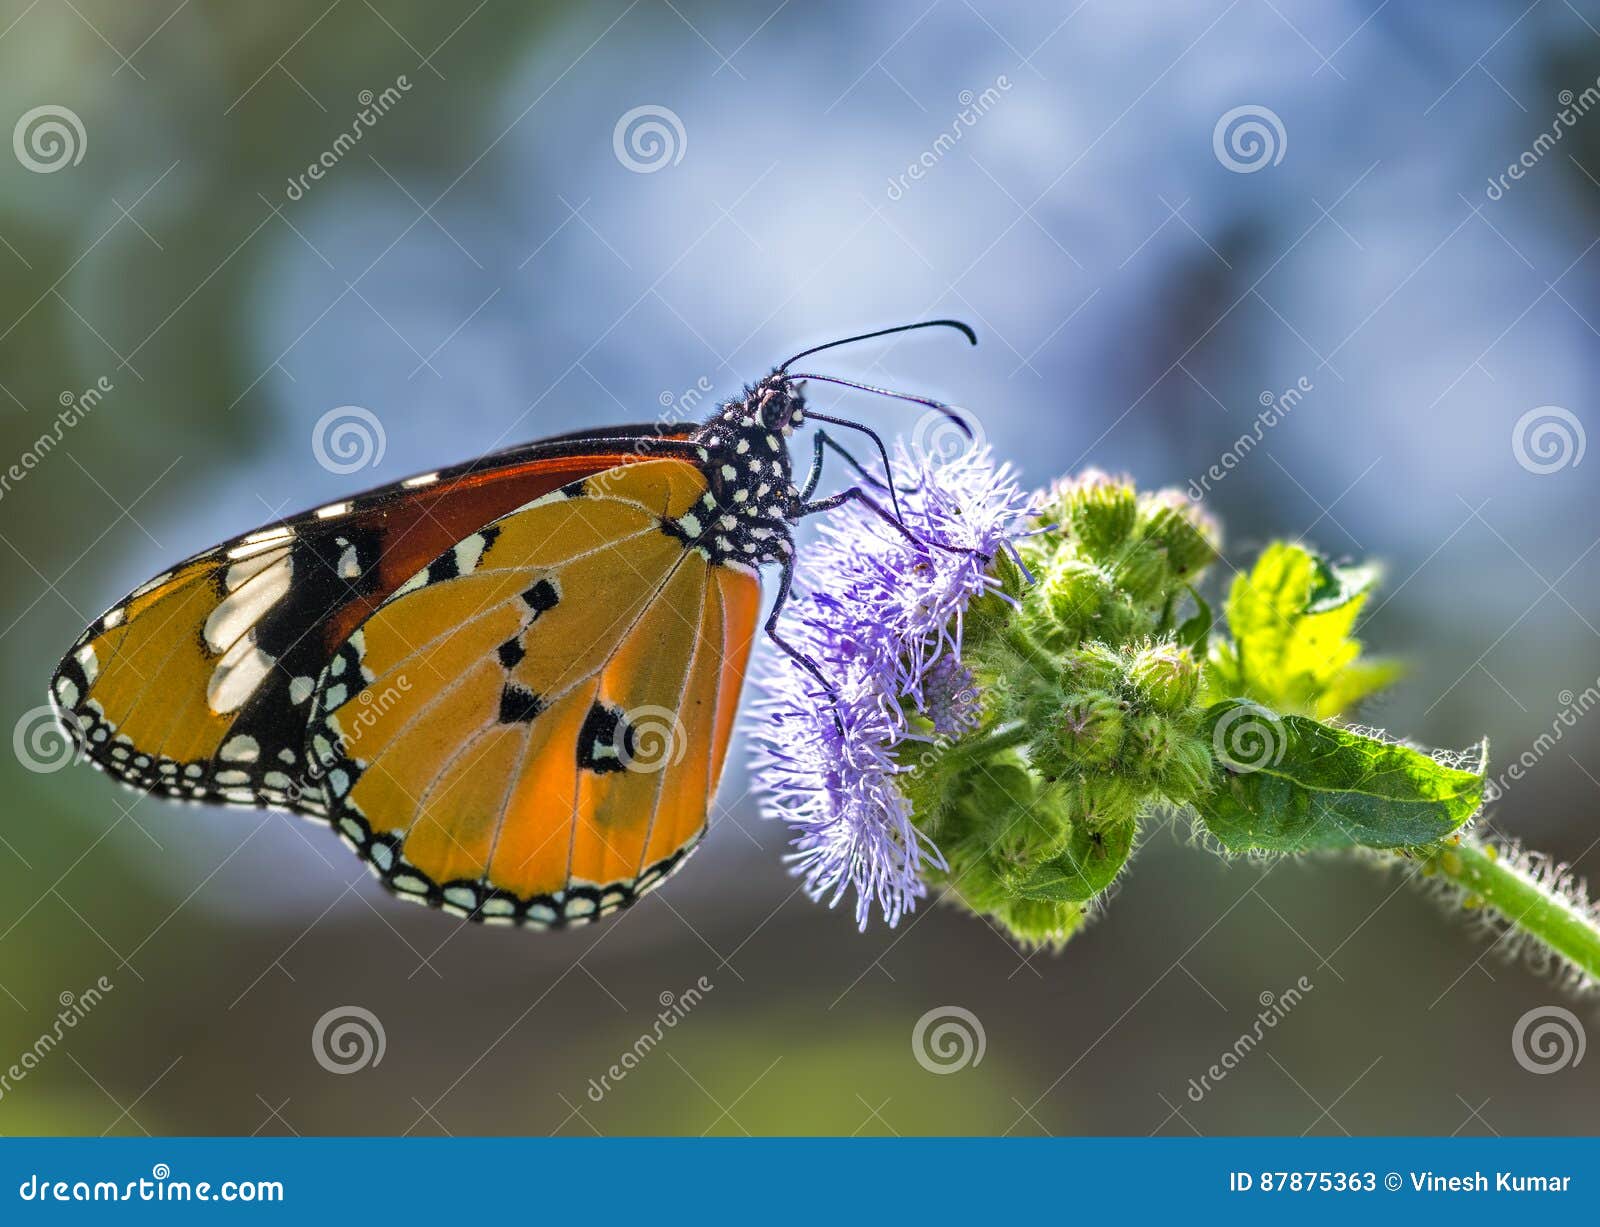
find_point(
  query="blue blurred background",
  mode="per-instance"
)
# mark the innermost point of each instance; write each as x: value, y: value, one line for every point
x: 506, y: 253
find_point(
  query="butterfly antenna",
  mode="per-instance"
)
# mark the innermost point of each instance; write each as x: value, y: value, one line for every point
x: 882, y: 332
x: 949, y: 411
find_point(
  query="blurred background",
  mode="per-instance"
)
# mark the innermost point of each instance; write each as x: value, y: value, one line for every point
x: 1158, y: 217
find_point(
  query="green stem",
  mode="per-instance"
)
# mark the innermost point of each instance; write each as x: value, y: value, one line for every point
x: 1547, y: 917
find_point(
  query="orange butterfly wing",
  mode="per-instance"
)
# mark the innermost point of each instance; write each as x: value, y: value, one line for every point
x: 197, y: 683
x: 530, y: 729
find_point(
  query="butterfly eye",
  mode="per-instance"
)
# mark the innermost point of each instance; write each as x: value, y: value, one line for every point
x: 775, y: 410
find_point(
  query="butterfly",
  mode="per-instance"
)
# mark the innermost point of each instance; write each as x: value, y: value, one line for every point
x: 509, y: 686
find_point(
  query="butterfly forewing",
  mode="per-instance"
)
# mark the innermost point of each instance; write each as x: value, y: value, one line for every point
x: 198, y: 683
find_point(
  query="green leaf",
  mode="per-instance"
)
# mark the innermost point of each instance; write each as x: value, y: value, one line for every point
x: 1091, y: 860
x: 1291, y: 620
x: 1292, y: 784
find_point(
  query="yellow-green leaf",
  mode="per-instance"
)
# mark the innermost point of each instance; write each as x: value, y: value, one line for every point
x: 1291, y: 647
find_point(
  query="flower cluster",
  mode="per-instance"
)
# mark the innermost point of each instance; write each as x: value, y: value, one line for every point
x: 1091, y: 707
x: 1007, y: 698
x: 881, y: 615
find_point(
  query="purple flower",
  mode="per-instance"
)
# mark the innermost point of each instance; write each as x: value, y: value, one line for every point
x: 882, y: 619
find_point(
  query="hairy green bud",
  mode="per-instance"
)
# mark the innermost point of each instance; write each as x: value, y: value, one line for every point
x: 1186, y: 533
x: 1093, y: 666
x: 1101, y: 512
x: 1187, y: 773
x: 1143, y: 572
x: 1165, y: 676
x: 1041, y: 922
x: 1086, y: 731
x: 1075, y: 592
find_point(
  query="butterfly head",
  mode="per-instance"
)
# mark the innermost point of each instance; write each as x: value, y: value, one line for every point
x: 779, y: 404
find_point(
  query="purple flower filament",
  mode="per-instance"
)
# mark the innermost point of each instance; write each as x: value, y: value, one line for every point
x: 882, y: 617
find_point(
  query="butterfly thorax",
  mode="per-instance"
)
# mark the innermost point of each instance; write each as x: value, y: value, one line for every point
x: 745, y: 515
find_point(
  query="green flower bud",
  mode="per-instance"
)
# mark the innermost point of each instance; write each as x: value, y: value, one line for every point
x: 1041, y: 922
x: 1099, y: 799
x: 976, y: 878
x: 1186, y: 775
x: 1190, y: 537
x: 1165, y: 676
x: 993, y: 797
x: 1143, y: 572
x: 1085, y: 732
x: 1151, y: 743
x: 1093, y: 666
x: 1102, y: 512
x: 1075, y: 592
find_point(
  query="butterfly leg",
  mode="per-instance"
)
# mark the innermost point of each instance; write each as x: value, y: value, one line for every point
x: 794, y: 653
x: 821, y: 440
x: 855, y: 494
x: 877, y: 440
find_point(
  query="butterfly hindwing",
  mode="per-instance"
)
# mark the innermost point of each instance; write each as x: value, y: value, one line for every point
x: 530, y: 729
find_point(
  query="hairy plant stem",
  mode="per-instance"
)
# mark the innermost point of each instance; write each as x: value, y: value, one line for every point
x: 1525, y: 904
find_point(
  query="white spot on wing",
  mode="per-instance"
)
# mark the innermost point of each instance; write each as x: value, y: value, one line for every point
x: 241, y: 670
x: 469, y: 552
x: 349, y: 563
x: 88, y: 662
x: 247, y: 605
x: 241, y: 749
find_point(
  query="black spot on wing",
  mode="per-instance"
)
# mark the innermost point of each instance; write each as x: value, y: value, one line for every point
x: 541, y: 597
x: 511, y: 653
x: 443, y: 567
x: 517, y: 705
x: 605, y: 743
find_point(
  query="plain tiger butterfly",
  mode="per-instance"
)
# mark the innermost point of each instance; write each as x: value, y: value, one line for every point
x: 509, y: 686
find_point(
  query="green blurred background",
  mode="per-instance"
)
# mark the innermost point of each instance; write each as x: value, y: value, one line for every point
x: 485, y: 267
